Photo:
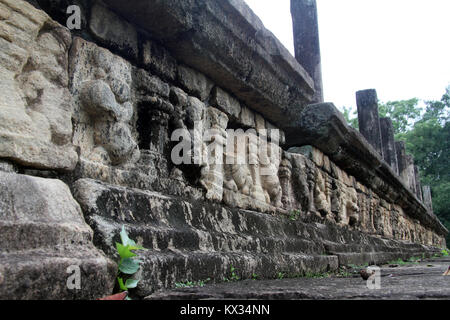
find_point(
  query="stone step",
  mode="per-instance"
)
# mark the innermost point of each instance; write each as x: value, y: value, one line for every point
x: 34, y: 235
x: 44, y: 274
x: 161, y: 270
x: 161, y: 238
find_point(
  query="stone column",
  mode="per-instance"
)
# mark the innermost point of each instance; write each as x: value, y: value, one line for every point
x: 368, y: 119
x: 401, y: 160
x: 411, y: 176
x: 306, y: 41
x: 418, y: 185
x: 388, y: 143
x: 427, y: 200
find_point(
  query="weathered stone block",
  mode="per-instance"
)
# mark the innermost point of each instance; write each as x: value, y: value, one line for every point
x: 113, y: 31
x: 247, y: 117
x: 43, y: 232
x: 195, y: 82
x: 148, y: 84
x: 35, y: 104
x: 159, y: 60
x: 225, y: 102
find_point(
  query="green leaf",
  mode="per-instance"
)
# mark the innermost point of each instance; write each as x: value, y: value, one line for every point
x: 126, y: 241
x: 122, y: 286
x: 124, y: 251
x: 129, y: 265
x: 131, y: 283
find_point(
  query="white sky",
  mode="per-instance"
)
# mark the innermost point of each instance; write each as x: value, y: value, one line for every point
x: 401, y: 48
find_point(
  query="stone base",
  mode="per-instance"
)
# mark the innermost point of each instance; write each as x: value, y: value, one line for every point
x: 197, y: 240
x: 43, y: 232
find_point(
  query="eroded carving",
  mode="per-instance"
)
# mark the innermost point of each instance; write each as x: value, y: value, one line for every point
x: 101, y: 85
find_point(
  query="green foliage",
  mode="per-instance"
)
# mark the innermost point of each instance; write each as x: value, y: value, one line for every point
x: 401, y: 262
x: 351, y: 117
x: 233, y: 275
x: 128, y: 265
x: 294, y: 215
x: 192, y: 284
x: 281, y: 275
x: 402, y: 113
x: 444, y: 252
x: 255, y: 276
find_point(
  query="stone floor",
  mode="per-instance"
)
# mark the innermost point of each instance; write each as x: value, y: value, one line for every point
x: 422, y: 280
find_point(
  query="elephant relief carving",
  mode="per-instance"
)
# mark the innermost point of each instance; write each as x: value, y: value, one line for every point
x: 269, y: 166
x: 321, y: 202
x: 111, y: 121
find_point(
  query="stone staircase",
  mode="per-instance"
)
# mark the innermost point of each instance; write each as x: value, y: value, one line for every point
x: 199, y: 240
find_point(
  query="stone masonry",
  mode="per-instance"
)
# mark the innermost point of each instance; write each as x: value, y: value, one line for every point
x: 90, y: 123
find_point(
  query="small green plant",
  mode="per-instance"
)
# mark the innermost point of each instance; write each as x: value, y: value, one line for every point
x: 294, y: 215
x: 255, y: 276
x: 414, y: 259
x: 401, y: 262
x: 128, y: 265
x: 342, y: 273
x: 281, y: 275
x: 444, y: 252
x: 192, y: 284
x: 233, y: 275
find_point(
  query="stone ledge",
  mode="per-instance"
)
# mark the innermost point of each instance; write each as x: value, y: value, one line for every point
x: 227, y: 42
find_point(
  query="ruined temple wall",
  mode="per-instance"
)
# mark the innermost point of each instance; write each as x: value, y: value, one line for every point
x: 124, y: 107
x: 128, y: 143
x: 95, y: 110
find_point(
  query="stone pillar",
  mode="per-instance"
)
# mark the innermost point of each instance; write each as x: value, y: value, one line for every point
x: 388, y: 143
x: 418, y: 185
x: 401, y: 160
x: 411, y: 176
x: 306, y: 41
x: 427, y: 200
x: 368, y: 119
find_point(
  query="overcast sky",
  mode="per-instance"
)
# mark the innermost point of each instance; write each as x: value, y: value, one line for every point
x: 401, y: 48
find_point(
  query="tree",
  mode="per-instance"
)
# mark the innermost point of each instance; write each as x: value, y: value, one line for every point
x: 352, y: 121
x: 403, y: 113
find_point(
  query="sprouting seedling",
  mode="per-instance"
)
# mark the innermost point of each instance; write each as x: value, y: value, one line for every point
x: 234, y: 276
x: 128, y: 264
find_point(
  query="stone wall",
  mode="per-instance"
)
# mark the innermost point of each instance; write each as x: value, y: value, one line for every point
x: 85, y: 147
